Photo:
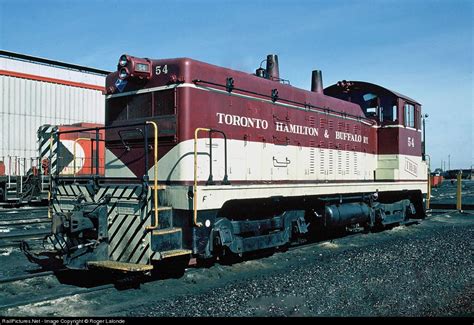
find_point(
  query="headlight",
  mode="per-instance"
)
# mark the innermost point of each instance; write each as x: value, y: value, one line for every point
x: 123, y: 73
x: 123, y: 61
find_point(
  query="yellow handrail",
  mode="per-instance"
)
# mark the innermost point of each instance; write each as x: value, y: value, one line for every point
x: 74, y: 154
x: 459, y: 191
x: 155, y: 166
x: 198, y: 224
x: 428, y: 194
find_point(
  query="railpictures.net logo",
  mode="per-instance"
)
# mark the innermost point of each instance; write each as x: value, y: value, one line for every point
x: 20, y: 321
x: 55, y: 321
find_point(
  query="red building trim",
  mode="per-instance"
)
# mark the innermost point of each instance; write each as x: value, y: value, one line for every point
x: 51, y: 80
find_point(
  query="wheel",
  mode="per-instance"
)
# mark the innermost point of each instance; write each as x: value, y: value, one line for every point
x: 173, y: 267
x: 206, y: 262
x: 227, y: 257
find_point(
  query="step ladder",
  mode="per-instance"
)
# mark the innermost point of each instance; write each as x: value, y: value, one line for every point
x: 167, y: 239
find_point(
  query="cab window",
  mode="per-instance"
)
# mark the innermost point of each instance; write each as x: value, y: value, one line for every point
x: 370, y: 105
x: 409, y: 115
x: 391, y: 113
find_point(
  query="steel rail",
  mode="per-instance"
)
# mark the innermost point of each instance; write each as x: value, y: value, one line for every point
x: 25, y: 235
x: 24, y: 213
x: 27, y: 276
x: 20, y: 222
x: 57, y: 296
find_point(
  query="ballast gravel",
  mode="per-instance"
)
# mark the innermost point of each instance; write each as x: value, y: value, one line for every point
x: 420, y: 270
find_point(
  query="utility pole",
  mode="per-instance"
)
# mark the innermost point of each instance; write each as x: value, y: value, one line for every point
x: 423, y: 148
x: 449, y: 162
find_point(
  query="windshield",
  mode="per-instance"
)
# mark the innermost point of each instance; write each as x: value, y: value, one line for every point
x: 374, y: 104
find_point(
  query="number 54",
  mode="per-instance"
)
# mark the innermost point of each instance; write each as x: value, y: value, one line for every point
x: 161, y: 69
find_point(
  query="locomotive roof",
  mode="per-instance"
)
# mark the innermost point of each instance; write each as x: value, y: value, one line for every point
x: 192, y: 71
x: 367, y: 85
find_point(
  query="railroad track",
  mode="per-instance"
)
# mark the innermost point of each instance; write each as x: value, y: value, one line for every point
x: 26, y: 276
x: 57, y: 296
x: 25, y: 213
x: 15, y: 204
x: 38, y: 292
x: 10, y: 240
x: 20, y: 222
x: 84, y: 291
x: 23, y: 223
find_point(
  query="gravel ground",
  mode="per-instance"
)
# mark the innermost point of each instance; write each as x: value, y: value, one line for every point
x: 430, y: 275
x: 419, y: 270
x: 446, y: 192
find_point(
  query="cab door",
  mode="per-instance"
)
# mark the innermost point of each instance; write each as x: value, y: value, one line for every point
x: 280, y: 160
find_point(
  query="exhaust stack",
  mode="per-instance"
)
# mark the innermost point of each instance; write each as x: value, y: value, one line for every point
x: 273, y: 71
x: 317, y: 81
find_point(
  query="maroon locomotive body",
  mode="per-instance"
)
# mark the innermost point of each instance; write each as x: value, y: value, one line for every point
x: 209, y: 162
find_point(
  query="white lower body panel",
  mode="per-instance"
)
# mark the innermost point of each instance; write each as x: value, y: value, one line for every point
x: 214, y: 196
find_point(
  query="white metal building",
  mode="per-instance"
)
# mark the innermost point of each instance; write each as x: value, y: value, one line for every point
x: 36, y: 91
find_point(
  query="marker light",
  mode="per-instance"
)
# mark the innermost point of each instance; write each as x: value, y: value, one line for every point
x: 123, y: 61
x: 123, y: 74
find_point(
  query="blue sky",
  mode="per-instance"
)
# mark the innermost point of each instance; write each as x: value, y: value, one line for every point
x: 421, y: 48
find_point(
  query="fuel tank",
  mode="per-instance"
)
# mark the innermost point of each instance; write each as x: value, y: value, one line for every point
x: 339, y: 215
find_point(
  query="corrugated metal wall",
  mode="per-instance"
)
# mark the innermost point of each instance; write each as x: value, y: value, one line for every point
x: 26, y: 104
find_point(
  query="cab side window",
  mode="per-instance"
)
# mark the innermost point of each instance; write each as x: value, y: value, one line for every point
x: 409, y: 115
x: 394, y: 116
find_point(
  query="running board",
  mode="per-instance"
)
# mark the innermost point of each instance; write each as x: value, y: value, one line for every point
x: 119, y: 266
x: 160, y: 187
x: 172, y: 253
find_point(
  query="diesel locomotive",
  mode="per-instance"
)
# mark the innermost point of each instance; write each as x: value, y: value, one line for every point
x: 74, y: 155
x: 203, y: 161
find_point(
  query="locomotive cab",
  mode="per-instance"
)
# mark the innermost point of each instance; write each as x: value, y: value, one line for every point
x: 399, y: 142
x: 377, y: 103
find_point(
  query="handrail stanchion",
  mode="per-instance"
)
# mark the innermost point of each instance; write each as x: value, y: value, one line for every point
x: 195, y: 176
x: 155, y: 178
x: 97, y: 154
x: 74, y: 153
x: 428, y: 194
x: 459, y: 192
x: 92, y: 157
x: 21, y: 184
x: 210, y: 179
x: 145, y: 140
x: 9, y: 171
x: 50, y: 174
